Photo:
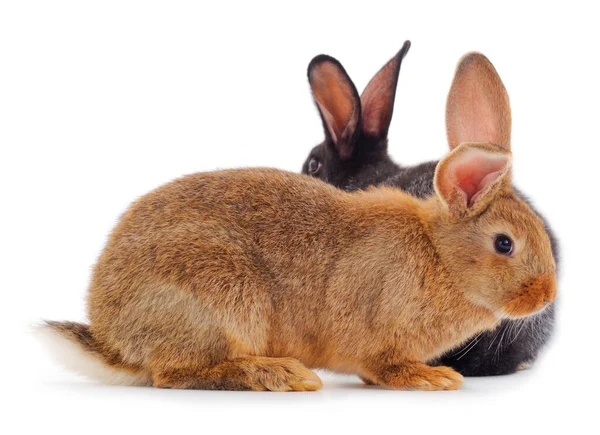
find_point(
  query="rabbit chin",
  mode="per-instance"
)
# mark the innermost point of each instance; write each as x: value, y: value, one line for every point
x: 531, y: 297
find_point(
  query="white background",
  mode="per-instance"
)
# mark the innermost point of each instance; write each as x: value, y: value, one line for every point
x: 102, y: 101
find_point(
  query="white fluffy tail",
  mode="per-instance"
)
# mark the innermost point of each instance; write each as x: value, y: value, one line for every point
x: 73, y: 346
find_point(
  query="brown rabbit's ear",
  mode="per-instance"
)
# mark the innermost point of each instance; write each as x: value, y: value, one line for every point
x: 470, y: 176
x: 377, y: 100
x: 338, y: 102
x: 478, y: 108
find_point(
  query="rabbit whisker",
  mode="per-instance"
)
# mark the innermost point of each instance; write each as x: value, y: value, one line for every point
x: 523, y: 322
x: 471, y: 346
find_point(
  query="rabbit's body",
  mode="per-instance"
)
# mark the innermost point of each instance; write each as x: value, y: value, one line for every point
x: 513, y: 344
x: 275, y: 273
x: 216, y: 267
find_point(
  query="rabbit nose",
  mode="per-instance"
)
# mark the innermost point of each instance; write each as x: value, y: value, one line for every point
x: 544, y: 286
x: 549, y: 288
x: 533, y: 295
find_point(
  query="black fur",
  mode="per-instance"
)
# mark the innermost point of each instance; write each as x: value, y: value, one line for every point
x: 513, y: 344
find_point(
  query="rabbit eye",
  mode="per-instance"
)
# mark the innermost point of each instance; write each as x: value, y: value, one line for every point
x: 503, y: 244
x: 314, y: 166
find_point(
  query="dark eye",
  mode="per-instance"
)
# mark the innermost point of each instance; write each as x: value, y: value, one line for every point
x: 313, y: 166
x: 503, y: 244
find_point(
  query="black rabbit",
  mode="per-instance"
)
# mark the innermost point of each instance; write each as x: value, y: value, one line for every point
x: 354, y: 156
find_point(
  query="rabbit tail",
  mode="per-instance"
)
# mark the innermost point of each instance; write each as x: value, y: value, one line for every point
x: 75, y: 348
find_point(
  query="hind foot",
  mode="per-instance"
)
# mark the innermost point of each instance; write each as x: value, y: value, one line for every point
x: 248, y: 373
x: 365, y: 379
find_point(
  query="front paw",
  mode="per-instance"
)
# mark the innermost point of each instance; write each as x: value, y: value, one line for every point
x: 436, y: 378
x: 524, y: 366
x: 419, y: 376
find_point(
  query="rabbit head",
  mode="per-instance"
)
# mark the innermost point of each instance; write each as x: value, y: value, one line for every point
x: 355, y: 146
x: 495, y: 243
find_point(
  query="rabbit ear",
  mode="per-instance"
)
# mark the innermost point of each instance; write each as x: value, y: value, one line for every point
x: 470, y: 176
x: 338, y: 102
x: 377, y: 99
x: 478, y: 108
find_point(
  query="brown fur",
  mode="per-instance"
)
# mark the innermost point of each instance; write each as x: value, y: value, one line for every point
x: 218, y: 280
x: 476, y: 105
x: 242, y: 279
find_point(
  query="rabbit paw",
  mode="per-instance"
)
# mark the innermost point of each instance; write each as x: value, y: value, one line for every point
x: 248, y: 373
x: 419, y: 376
x: 524, y: 366
x: 287, y: 374
x: 366, y: 380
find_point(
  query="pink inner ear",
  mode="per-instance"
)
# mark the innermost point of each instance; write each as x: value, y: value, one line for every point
x: 483, y: 184
x: 475, y: 171
x: 334, y: 94
x: 378, y: 99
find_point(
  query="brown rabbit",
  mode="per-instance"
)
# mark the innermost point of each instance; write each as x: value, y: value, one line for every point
x: 242, y: 279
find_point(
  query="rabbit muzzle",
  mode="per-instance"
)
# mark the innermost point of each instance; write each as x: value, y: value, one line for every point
x: 532, y: 296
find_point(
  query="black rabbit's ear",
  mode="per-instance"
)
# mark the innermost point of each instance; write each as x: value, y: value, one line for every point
x: 478, y: 108
x: 338, y: 102
x: 377, y: 100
